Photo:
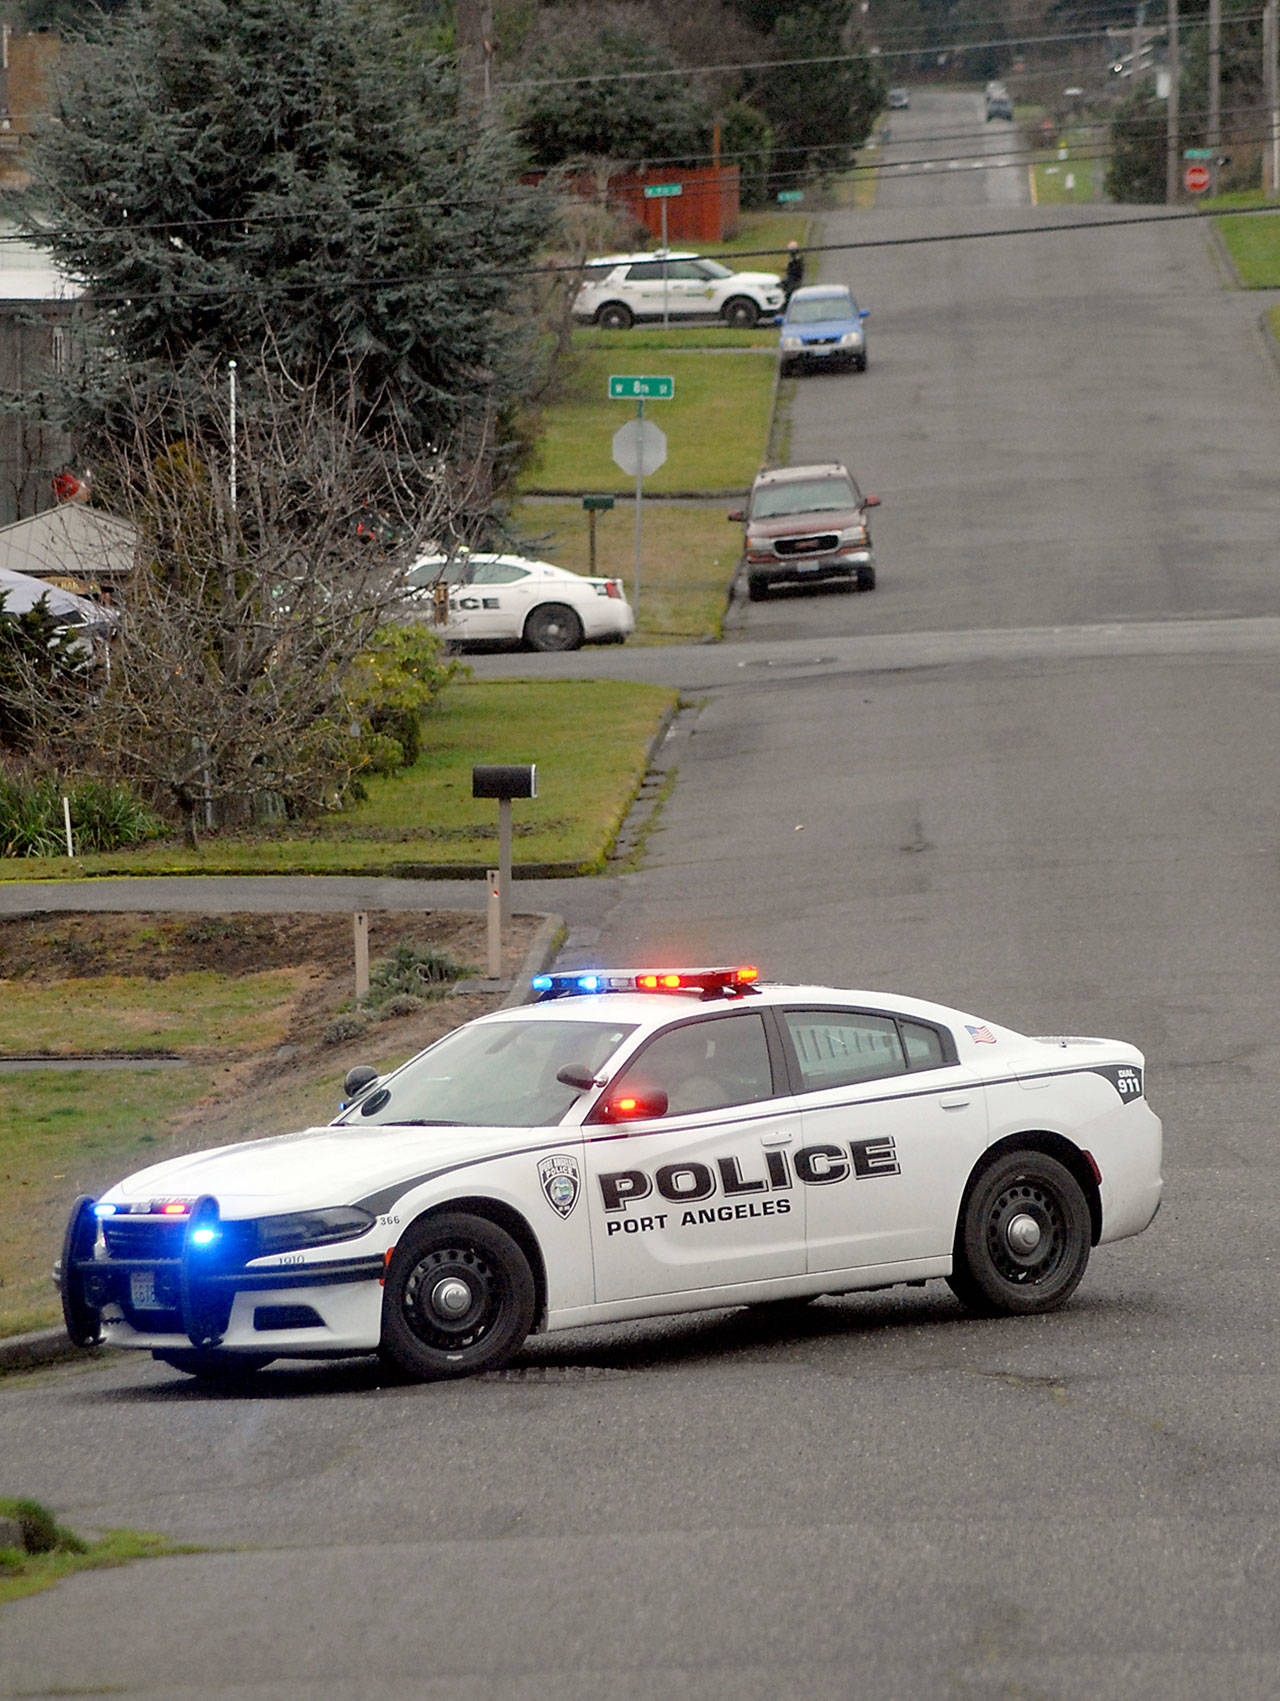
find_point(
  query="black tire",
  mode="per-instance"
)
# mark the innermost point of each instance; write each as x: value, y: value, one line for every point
x: 552, y: 626
x: 214, y: 1367
x: 866, y: 578
x: 472, y: 1265
x: 860, y: 363
x: 757, y: 589
x: 740, y: 312
x: 615, y: 316
x: 1023, y: 1239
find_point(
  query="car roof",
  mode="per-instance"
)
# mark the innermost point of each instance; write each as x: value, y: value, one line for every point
x: 650, y: 254
x: 789, y: 475
x: 823, y: 292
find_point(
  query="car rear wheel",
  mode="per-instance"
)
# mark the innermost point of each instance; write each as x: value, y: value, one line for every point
x: 459, y: 1298
x: 208, y: 1364
x: 1023, y: 1239
x: 553, y: 626
x: 615, y: 316
x: 740, y: 312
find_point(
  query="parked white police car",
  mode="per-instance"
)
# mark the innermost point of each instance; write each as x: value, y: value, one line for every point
x: 631, y: 1144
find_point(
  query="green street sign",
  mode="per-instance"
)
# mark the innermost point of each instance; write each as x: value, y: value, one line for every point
x: 1197, y: 153
x: 623, y: 388
x: 656, y: 191
x: 597, y: 504
x: 791, y: 194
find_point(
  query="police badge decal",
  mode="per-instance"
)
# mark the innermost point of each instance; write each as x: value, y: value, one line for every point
x: 559, y: 1177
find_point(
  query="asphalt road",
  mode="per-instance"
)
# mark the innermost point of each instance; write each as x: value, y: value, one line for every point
x: 1032, y: 774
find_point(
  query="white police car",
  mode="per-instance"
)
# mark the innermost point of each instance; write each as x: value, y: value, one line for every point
x: 631, y: 1144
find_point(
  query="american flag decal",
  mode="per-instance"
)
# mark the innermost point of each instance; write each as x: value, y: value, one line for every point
x: 980, y: 1036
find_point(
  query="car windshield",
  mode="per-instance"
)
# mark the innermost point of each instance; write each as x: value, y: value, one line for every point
x: 492, y: 1075
x: 802, y: 496
x: 816, y: 309
x: 713, y: 269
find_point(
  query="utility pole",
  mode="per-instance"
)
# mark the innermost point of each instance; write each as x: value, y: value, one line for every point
x: 473, y: 26
x: 1171, y: 151
x: 1213, y: 128
x: 1270, y: 51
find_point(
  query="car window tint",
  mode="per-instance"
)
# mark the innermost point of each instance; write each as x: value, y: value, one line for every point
x: 498, y: 573
x: 685, y: 269
x: 703, y: 1065
x: 838, y: 1048
x: 925, y: 1049
x: 644, y: 271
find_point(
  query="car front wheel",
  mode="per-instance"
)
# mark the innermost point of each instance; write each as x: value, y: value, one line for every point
x: 459, y: 1298
x: 866, y: 580
x: 757, y: 588
x: 552, y: 626
x: 615, y: 316
x: 1023, y: 1239
x: 741, y: 313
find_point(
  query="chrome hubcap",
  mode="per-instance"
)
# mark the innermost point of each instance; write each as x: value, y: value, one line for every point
x: 1023, y: 1233
x: 451, y: 1298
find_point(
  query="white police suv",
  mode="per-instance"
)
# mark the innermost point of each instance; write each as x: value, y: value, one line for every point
x: 632, y: 1144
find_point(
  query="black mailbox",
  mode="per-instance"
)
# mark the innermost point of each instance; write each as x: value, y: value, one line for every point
x: 505, y: 779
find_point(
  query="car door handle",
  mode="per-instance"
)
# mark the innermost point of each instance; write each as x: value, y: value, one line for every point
x: 953, y: 1104
x: 769, y: 1141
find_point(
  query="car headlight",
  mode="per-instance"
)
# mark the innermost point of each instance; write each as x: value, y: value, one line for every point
x: 852, y: 339
x: 853, y: 537
x: 791, y: 342
x: 298, y: 1229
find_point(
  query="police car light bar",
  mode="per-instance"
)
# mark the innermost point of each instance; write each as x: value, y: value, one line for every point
x: 711, y: 983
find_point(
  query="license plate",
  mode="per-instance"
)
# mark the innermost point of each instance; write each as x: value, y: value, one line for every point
x: 810, y: 566
x: 142, y: 1290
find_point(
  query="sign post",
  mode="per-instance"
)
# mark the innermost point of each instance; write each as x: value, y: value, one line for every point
x: 663, y: 192
x: 594, y: 505
x: 639, y: 447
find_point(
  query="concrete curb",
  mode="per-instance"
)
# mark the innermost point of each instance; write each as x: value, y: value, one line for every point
x: 54, y: 1346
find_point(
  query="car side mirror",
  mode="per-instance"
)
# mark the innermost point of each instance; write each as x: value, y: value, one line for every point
x: 864, y: 312
x: 358, y: 1080
x: 738, y: 514
x: 633, y: 1106
x: 577, y: 1075
x: 870, y: 501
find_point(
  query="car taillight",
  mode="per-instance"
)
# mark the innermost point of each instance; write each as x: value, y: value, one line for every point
x: 613, y: 587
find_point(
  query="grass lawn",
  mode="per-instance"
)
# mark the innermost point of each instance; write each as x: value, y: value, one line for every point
x: 716, y: 424
x: 688, y: 555
x: 1253, y: 241
x: 62, y: 1133
x: 1056, y: 181
x: 590, y: 739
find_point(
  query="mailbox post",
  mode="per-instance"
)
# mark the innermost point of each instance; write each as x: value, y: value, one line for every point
x: 502, y: 780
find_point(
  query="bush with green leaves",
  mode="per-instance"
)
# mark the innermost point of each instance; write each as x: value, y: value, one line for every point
x: 419, y: 971
x: 391, y: 689
x: 104, y: 815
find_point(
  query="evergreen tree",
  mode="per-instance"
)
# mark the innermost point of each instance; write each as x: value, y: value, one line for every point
x: 231, y: 174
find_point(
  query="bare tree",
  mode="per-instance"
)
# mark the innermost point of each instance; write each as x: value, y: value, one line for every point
x: 267, y: 558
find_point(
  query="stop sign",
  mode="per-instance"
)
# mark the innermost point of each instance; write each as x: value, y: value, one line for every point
x: 639, y: 447
x: 1196, y: 179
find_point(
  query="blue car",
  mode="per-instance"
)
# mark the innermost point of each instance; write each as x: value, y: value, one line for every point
x: 823, y: 326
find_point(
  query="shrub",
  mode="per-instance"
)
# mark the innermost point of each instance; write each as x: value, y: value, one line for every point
x: 419, y: 971
x: 392, y: 687
x: 104, y: 815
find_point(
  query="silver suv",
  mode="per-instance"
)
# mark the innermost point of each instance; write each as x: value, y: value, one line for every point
x: 806, y: 524
x: 621, y: 288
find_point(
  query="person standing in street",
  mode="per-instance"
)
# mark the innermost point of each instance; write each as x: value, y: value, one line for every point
x: 793, y: 277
